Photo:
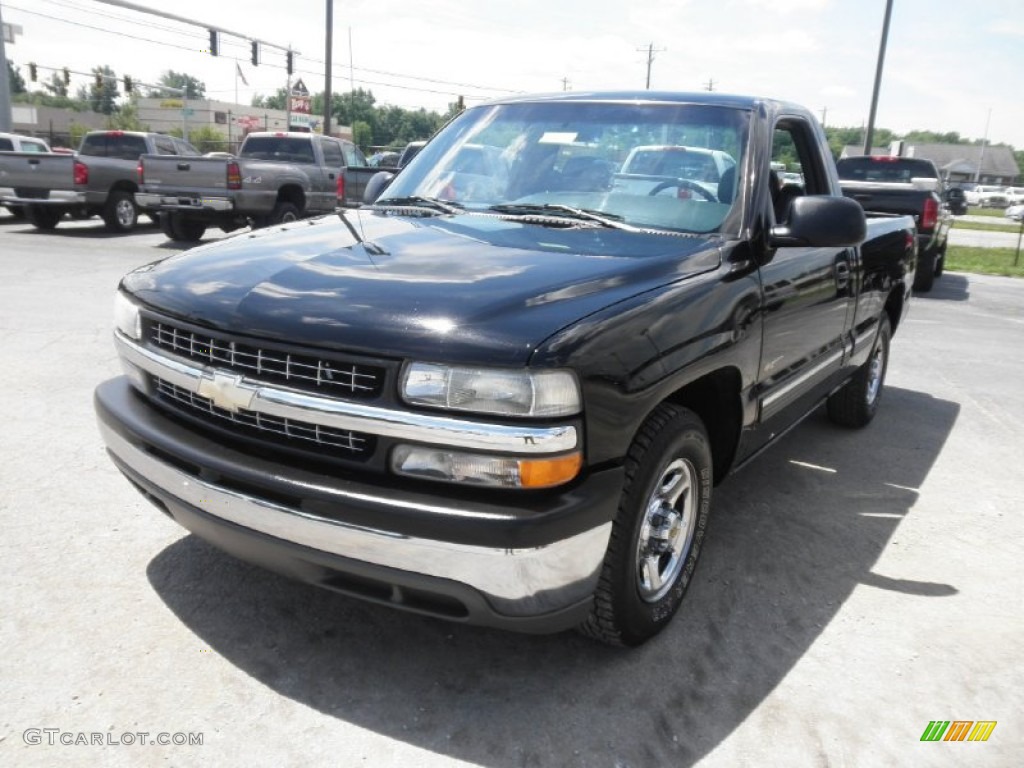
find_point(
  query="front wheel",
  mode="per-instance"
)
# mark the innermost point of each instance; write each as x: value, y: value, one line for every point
x: 855, y: 404
x: 284, y: 212
x: 657, y: 534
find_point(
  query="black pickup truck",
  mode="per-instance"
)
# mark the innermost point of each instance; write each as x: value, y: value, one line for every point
x: 905, y: 186
x: 505, y: 399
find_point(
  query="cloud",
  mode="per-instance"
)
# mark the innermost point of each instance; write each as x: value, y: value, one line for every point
x: 790, y: 6
x: 1007, y: 27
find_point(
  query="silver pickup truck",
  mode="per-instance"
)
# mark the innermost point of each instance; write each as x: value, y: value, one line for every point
x: 99, y: 180
x: 276, y: 177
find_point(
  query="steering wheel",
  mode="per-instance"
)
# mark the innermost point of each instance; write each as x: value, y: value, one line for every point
x: 685, y: 184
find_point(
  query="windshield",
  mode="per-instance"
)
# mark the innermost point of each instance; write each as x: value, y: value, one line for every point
x: 651, y: 166
x: 280, y: 149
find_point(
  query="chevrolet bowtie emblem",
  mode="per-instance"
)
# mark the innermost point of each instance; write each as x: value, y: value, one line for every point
x: 226, y: 391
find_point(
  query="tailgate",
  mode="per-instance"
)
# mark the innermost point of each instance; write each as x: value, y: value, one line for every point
x: 33, y: 174
x: 883, y: 199
x: 164, y: 174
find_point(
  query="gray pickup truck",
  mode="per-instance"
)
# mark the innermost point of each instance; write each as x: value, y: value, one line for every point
x: 99, y: 180
x: 275, y: 178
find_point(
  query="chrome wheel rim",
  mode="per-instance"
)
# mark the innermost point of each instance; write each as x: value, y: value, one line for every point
x: 125, y: 212
x: 289, y: 216
x: 666, y: 531
x: 875, y: 369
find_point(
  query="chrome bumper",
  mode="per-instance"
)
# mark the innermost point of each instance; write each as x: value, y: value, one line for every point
x: 516, y: 582
x: 57, y: 197
x: 153, y: 201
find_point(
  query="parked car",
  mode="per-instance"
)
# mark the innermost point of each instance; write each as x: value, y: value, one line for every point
x: 14, y: 142
x: 956, y: 200
x: 410, y: 151
x: 987, y: 196
x: 509, y: 410
x: 100, y: 179
x: 1014, y: 195
x: 1015, y: 212
x: 907, y: 186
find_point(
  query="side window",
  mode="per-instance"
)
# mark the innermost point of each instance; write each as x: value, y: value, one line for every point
x: 163, y: 145
x: 185, y: 149
x: 796, y: 167
x: 33, y: 146
x: 353, y: 157
x: 332, y: 154
x: 6, y: 145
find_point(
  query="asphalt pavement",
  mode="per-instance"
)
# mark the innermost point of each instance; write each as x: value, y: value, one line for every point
x: 855, y: 586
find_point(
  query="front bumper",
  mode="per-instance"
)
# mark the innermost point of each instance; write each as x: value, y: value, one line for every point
x: 530, y: 563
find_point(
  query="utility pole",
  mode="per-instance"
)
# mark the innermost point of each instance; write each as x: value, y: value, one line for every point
x: 329, y: 43
x: 824, y: 114
x: 5, y: 84
x: 565, y: 83
x: 870, y: 137
x: 650, y: 60
x: 984, y: 144
x: 710, y: 85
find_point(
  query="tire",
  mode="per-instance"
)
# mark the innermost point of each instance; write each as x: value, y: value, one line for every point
x: 652, y: 555
x: 120, y: 214
x: 940, y: 265
x: 924, y: 278
x: 188, y: 230
x: 855, y: 404
x: 43, y: 216
x: 284, y: 212
x: 167, y: 225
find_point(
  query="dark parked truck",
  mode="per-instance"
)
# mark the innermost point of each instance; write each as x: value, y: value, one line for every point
x: 100, y: 180
x: 909, y: 186
x: 276, y: 177
x: 505, y: 399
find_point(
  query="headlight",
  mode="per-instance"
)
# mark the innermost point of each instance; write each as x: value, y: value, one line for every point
x: 480, y: 469
x: 492, y: 390
x: 126, y: 317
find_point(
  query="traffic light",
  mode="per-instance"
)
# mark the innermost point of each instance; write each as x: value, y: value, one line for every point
x: 128, y: 84
x: 288, y: 62
x: 67, y: 76
x: 255, y: 53
x: 32, y: 74
x: 214, y: 43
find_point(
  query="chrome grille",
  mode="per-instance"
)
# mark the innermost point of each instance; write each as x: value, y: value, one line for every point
x: 300, y: 371
x: 262, y: 425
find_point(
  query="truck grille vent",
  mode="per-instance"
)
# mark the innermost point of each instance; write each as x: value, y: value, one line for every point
x: 305, y: 372
x: 274, y: 428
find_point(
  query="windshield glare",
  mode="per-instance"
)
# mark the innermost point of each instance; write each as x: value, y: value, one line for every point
x: 661, y: 166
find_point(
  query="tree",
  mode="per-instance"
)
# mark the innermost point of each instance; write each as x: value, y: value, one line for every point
x: 362, y: 133
x: 126, y: 119
x: 205, y: 138
x: 277, y: 100
x: 1019, y: 155
x: 55, y: 85
x: 15, y: 78
x: 196, y: 88
x: 104, y: 98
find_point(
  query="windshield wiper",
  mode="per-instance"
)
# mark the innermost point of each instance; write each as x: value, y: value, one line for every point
x: 417, y: 201
x: 610, y: 220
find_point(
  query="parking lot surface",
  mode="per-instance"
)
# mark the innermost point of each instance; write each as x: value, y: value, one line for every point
x: 855, y: 586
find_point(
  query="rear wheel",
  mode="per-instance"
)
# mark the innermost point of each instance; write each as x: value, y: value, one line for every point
x: 924, y: 277
x: 284, y: 212
x: 120, y: 213
x: 856, y: 403
x: 43, y: 216
x: 189, y: 230
x: 657, y: 534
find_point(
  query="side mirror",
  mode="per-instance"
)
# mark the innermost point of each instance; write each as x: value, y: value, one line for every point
x: 821, y: 222
x: 376, y: 185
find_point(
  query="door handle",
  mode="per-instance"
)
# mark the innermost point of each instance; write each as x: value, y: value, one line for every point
x: 184, y: 167
x: 330, y: 175
x: 842, y: 274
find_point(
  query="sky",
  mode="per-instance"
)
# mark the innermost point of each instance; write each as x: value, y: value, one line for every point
x: 950, y: 66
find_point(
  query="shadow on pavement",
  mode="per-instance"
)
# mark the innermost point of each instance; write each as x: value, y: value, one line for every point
x: 952, y: 286
x: 792, y: 535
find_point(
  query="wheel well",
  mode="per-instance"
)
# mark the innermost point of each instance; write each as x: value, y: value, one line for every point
x: 292, y: 194
x: 125, y: 186
x: 716, y: 399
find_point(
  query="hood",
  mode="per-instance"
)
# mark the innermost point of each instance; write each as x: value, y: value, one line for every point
x: 458, y: 288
